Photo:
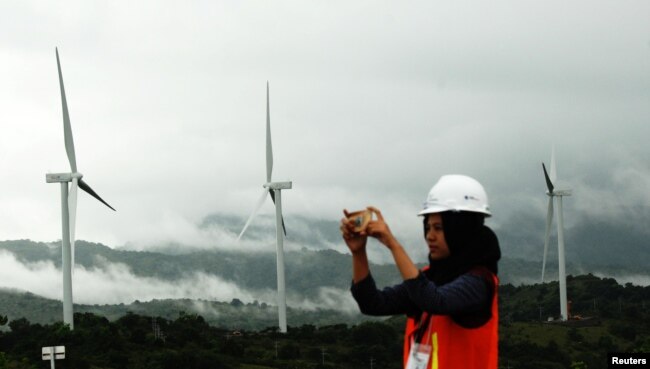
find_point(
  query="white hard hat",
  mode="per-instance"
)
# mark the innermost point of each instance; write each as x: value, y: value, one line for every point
x: 455, y: 192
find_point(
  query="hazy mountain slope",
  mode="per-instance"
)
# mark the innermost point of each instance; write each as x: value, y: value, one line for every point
x: 233, y: 315
x: 307, y: 271
x: 591, y: 241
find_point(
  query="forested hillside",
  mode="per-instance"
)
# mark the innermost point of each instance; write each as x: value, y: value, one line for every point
x: 612, y: 318
x: 234, y: 314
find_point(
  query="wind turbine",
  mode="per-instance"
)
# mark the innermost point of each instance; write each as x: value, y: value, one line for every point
x: 68, y: 204
x: 275, y: 190
x: 553, y: 194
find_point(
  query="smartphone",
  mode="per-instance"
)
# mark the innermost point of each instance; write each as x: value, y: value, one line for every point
x: 361, y: 219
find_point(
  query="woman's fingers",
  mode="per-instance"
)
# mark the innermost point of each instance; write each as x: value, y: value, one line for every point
x: 377, y: 212
x: 347, y: 229
x: 344, y: 227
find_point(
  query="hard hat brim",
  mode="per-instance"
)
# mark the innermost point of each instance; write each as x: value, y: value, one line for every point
x: 440, y: 209
x: 434, y: 209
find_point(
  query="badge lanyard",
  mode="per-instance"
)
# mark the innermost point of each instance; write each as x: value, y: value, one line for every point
x: 420, y: 344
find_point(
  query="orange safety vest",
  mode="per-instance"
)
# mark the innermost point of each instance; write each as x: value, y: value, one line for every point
x: 453, y: 346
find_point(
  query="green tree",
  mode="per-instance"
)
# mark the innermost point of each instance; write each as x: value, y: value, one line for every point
x: 19, y: 325
x: 624, y: 330
x: 578, y: 365
x: 3, y: 360
x: 606, y: 344
x: 373, y: 333
x: 289, y: 351
x: 574, y: 335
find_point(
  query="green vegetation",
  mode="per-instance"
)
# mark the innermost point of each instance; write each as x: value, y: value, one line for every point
x: 230, y: 315
x: 136, y: 341
x: 608, y: 317
x: 614, y: 319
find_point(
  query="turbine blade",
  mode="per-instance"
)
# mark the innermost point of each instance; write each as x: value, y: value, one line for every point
x: 67, y: 130
x: 284, y: 229
x: 72, y: 210
x: 549, y: 183
x: 260, y: 202
x: 547, y: 235
x: 269, y: 148
x: 84, y: 186
x: 553, y: 173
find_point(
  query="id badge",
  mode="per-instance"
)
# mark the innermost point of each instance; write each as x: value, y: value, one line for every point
x: 419, y: 356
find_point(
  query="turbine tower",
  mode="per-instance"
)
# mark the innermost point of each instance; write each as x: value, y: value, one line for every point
x: 275, y: 190
x: 68, y: 204
x: 553, y: 194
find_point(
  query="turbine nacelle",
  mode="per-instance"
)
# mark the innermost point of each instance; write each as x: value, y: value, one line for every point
x: 277, y: 185
x: 559, y: 193
x: 62, y: 177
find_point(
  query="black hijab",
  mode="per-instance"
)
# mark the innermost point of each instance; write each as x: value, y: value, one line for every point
x: 471, y: 244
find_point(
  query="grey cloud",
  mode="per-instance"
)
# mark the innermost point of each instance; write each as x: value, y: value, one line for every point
x: 370, y: 104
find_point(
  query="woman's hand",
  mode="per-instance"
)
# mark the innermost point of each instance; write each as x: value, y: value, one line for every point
x: 356, y: 241
x: 379, y: 229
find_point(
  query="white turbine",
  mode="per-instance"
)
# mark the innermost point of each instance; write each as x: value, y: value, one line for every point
x: 68, y: 204
x: 275, y: 190
x: 554, y: 193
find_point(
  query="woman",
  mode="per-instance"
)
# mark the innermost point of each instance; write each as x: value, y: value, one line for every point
x: 451, y: 305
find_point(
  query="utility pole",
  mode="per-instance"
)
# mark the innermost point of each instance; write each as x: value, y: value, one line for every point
x: 323, y: 352
x: 157, y: 332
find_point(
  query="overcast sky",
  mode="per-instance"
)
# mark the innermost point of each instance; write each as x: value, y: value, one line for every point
x: 371, y: 102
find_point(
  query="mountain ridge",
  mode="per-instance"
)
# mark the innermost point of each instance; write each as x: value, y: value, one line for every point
x: 306, y: 269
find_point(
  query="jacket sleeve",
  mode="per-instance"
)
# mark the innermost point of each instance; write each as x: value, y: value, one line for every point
x: 467, y: 293
x: 389, y: 301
